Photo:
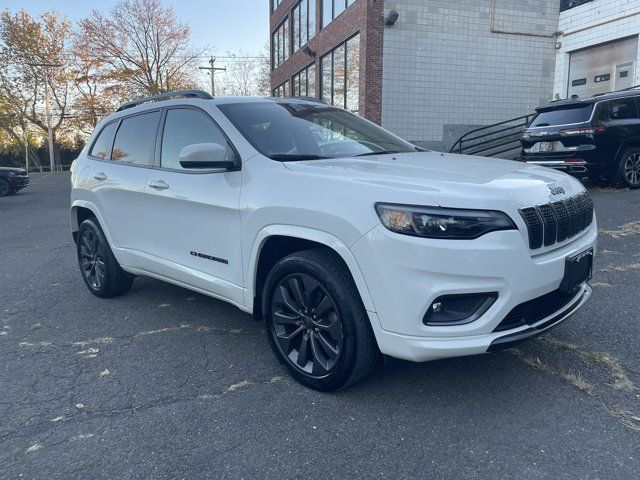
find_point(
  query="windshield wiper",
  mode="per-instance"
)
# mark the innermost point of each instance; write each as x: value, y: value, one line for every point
x: 381, y: 152
x: 294, y: 157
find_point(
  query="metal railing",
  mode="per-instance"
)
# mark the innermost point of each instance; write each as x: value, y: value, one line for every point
x: 493, y: 140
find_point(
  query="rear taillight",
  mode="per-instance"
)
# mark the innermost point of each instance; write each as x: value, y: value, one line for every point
x: 582, y: 131
x: 575, y: 160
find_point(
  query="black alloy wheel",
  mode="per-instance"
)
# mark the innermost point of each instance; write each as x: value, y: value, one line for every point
x: 316, y: 323
x: 307, y: 324
x: 91, y: 255
x: 100, y: 270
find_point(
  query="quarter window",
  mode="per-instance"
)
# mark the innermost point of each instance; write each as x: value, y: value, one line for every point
x: 340, y: 75
x: 304, y: 82
x: 303, y: 23
x: 100, y: 147
x: 184, y: 127
x: 135, y: 139
x: 622, y: 109
x: 280, y: 44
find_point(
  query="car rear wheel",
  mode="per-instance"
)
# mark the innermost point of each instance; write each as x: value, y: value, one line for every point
x: 4, y: 188
x: 629, y: 168
x: 316, y: 323
x: 100, y: 270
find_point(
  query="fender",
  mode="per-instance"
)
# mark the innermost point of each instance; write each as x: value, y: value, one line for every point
x: 96, y: 212
x: 313, y: 235
x: 625, y: 144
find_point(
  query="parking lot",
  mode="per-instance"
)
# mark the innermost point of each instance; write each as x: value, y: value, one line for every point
x: 167, y: 383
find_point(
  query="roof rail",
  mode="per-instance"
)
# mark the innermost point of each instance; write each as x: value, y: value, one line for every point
x: 166, y: 96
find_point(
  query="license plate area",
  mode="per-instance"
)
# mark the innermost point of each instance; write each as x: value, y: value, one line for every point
x: 545, y: 147
x: 577, y: 270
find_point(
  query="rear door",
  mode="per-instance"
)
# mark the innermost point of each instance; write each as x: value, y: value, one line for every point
x: 119, y: 177
x: 191, y: 216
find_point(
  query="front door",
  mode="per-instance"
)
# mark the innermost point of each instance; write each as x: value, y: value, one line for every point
x: 192, y: 219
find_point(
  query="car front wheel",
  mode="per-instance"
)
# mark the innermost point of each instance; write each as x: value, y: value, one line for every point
x: 4, y: 188
x: 316, y: 323
x: 100, y: 270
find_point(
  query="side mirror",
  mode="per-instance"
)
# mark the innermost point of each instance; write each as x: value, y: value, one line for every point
x: 205, y: 155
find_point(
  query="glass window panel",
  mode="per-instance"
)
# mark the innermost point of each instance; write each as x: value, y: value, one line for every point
x: 296, y: 30
x: 353, y: 73
x: 325, y: 72
x: 135, y: 139
x: 101, y: 146
x: 285, y: 43
x: 304, y: 30
x: 339, y: 76
x: 327, y: 12
x: 312, y: 19
x: 311, y: 81
x: 338, y: 7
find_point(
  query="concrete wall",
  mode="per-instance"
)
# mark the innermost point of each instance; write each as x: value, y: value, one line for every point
x: 591, y: 24
x: 445, y: 71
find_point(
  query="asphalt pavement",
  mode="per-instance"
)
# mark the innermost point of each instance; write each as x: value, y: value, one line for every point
x: 167, y: 383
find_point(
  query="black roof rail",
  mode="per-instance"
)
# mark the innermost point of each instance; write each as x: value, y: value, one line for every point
x: 166, y: 96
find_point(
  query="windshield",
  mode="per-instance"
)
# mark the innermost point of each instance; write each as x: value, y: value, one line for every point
x: 565, y: 116
x: 302, y: 131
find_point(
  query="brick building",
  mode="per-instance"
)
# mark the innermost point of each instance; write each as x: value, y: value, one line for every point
x: 430, y: 70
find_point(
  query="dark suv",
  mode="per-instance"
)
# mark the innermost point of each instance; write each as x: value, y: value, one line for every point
x: 597, y: 137
x: 12, y: 180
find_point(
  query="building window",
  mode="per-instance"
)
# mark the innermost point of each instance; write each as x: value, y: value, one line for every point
x: 332, y: 8
x: 303, y: 23
x: 340, y: 75
x: 282, y: 90
x: 275, y: 4
x: 304, y: 82
x: 280, y: 44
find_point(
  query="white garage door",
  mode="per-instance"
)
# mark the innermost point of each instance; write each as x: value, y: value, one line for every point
x: 603, y: 68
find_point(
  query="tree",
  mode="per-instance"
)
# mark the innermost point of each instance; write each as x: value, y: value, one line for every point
x: 247, y: 74
x: 140, y: 46
x: 25, y: 43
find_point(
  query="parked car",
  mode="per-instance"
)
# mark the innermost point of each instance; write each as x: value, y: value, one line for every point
x: 12, y: 180
x: 597, y: 137
x: 345, y: 239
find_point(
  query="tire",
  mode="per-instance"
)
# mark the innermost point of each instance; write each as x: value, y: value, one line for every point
x: 99, y: 268
x: 315, y: 316
x: 5, y: 190
x: 628, y: 169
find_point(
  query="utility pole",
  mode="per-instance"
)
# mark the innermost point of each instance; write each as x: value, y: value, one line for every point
x: 26, y: 144
x: 212, y: 70
x: 45, y: 66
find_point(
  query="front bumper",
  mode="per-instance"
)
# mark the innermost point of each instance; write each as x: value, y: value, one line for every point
x: 18, y: 182
x: 405, y: 274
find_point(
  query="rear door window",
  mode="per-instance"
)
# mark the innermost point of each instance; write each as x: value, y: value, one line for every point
x: 563, y: 116
x: 622, y: 109
x: 100, y: 148
x: 136, y: 138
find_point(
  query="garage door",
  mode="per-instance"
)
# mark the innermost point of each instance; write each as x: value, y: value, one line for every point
x: 603, y: 68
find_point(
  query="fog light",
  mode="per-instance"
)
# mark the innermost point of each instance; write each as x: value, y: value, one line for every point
x: 458, y: 309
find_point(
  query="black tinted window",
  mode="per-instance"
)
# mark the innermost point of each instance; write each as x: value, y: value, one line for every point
x: 621, y: 109
x: 565, y: 116
x: 100, y: 147
x: 184, y: 127
x: 135, y: 139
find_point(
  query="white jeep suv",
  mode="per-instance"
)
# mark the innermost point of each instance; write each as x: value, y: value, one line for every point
x: 347, y: 240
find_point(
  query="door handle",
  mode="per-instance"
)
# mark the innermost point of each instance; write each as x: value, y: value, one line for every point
x: 159, y: 185
x: 101, y: 177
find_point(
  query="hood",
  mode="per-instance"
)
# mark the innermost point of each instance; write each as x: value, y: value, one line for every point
x: 13, y: 169
x: 450, y: 180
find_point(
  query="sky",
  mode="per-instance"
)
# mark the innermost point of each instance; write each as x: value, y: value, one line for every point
x: 217, y: 25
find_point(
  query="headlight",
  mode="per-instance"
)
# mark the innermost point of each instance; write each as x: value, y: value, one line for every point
x: 436, y: 222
